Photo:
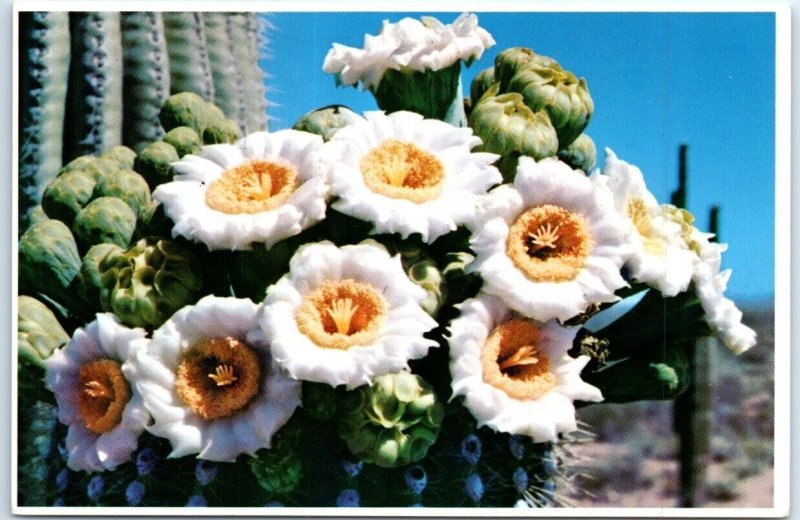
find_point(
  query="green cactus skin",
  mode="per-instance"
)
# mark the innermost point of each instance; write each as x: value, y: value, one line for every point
x: 184, y: 139
x: 122, y: 155
x: 49, y: 262
x: 105, y: 220
x: 43, y: 65
x: 94, y: 95
x: 36, y: 443
x: 247, y: 34
x: 189, y: 68
x: 146, y: 77
x: 227, y: 89
x: 154, y: 163
x: 68, y: 194
x: 130, y: 187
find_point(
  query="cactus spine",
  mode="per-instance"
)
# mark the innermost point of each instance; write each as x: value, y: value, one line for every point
x: 44, y: 54
x: 146, y: 77
x: 247, y: 34
x: 94, y: 95
x: 228, y: 91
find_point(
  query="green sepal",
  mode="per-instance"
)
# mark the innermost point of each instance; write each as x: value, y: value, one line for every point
x: 224, y: 131
x: 122, y: 155
x: 154, y: 163
x: 429, y: 93
x: 326, y: 121
x: 39, y: 332
x: 67, y: 194
x: 581, y: 154
x: 130, y: 187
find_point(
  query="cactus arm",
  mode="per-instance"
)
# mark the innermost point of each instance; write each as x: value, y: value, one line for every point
x: 247, y: 35
x: 188, y: 54
x: 94, y: 94
x: 146, y: 78
x: 227, y: 90
x: 43, y: 57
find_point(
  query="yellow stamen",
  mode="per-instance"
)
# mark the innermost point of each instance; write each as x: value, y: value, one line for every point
x: 402, y: 170
x: 252, y: 187
x: 523, y: 356
x: 513, y: 362
x: 224, y: 375
x: 213, y: 395
x: 549, y: 243
x: 104, y: 392
x: 96, y: 389
x: 341, y: 312
x: 544, y: 237
x: 640, y: 216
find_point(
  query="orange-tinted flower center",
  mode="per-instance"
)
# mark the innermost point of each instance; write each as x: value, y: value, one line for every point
x: 103, y: 394
x: 252, y: 187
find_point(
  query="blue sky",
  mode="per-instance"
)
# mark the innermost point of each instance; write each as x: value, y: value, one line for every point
x: 657, y: 80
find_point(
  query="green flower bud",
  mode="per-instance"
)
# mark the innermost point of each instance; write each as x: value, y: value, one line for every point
x: 145, y: 284
x: 105, y: 220
x: 184, y: 139
x: 326, y: 121
x: 90, y: 271
x: 277, y: 475
x: 427, y: 275
x: 123, y: 156
x: 510, y: 61
x: 581, y: 154
x: 319, y: 400
x: 558, y: 92
x: 184, y: 109
x: 78, y: 163
x: 49, y: 260
x: 279, y: 469
x: 129, y: 186
x: 67, y: 194
x: 506, y: 125
x: 155, y: 163
x: 393, y: 422
x: 481, y: 84
x: 38, y: 331
x: 224, y: 131
x: 101, y: 167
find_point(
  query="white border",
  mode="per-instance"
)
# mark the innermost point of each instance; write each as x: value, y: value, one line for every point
x: 783, y: 163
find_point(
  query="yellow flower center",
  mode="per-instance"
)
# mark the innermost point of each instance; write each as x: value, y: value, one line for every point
x: 513, y: 363
x: 103, y: 394
x: 402, y: 170
x: 218, y: 377
x: 341, y: 314
x: 640, y: 216
x: 252, y: 187
x: 549, y: 243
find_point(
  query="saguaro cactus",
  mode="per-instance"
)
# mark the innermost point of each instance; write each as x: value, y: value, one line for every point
x: 146, y: 77
x: 44, y: 53
x: 91, y: 80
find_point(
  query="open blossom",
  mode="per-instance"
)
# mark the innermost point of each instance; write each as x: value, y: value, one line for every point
x: 93, y: 380
x: 263, y: 189
x: 552, y: 243
x: 344, y: 316
x: 409, y: 44
x: 661, y: 258
x: 709, y: 285
x: 406, y: 174
x: 514, y: 373
x: 208, y: 379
